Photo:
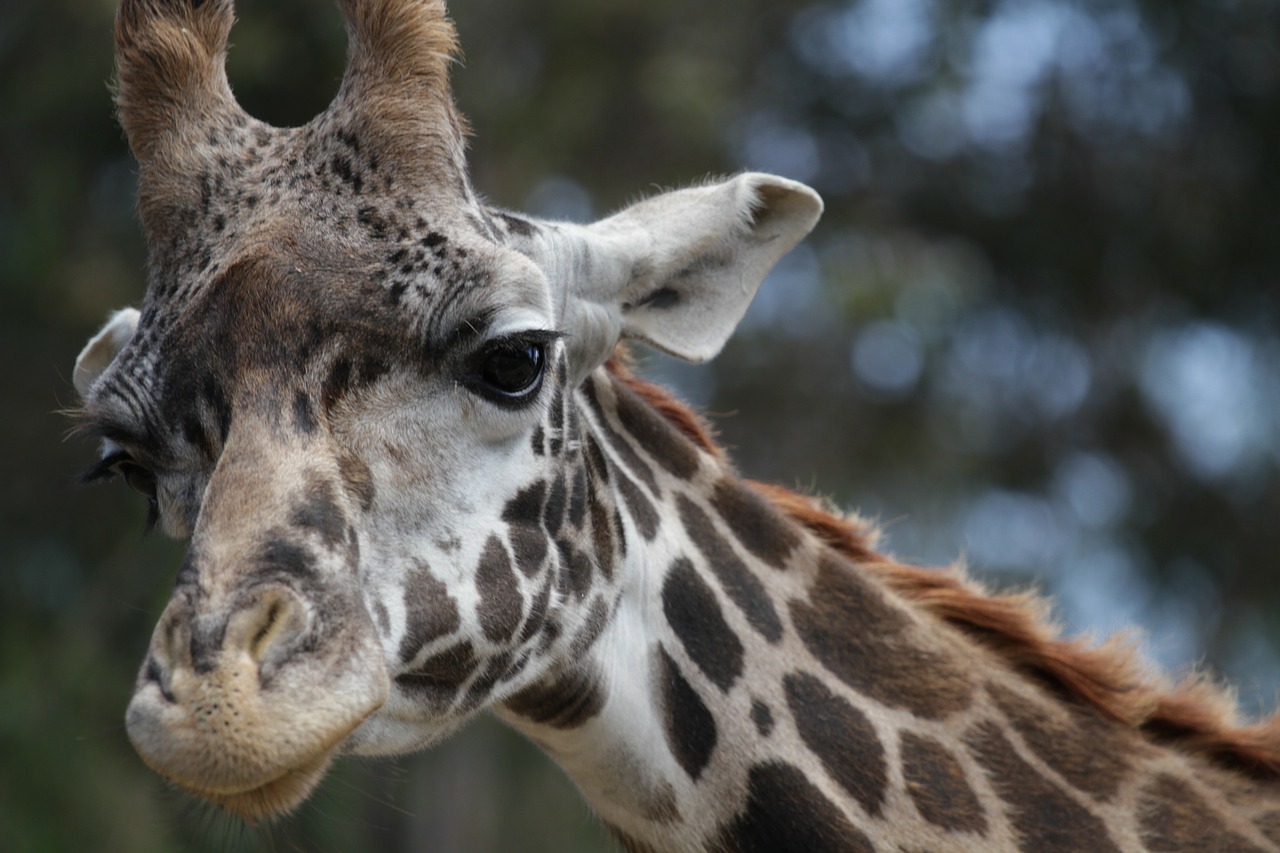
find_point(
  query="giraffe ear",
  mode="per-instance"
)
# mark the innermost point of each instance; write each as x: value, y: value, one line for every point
x: 102, y: 349
x: 682, y: 267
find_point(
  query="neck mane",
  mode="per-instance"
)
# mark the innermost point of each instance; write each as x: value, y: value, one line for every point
x: 1193, y: 715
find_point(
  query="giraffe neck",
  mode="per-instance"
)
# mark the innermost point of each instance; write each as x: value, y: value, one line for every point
x: 749, y: 688
x: 699, y: 697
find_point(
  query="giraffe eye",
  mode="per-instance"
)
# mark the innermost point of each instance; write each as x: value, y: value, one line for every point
x: 139, y: 479
x: 510, y: 372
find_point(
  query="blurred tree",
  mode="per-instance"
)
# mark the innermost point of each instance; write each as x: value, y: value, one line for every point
x: 1037, y: 327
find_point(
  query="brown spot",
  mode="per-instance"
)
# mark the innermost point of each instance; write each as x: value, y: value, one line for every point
x: 630, y: 459
x: 758, y: 526
x: 664, y: 444
x: 1047, y: 820
x: 498, y: 666
x: 430, y: 612
x: 357, y: 479
x: 1175, y: 819
x: 690, y: 728
x: 642, y: 511
x: 660, y: 804
x: 553, y: 513
x: 501, y: 603
x: 602, y: 536
x: 853, y: 630
x: 536, y: 619
x: 1269, y: 825
x: 578, y: 498
x: 592, y: 627
x: 595, y: 458
x: 319, y: 512
x: 565, y: 701
x: 936, y: 782
x: 304, y: 416
x: 526, y: 506
x: 1088, y: 753
x: 438, y: 676
x: 576, y: 570
x: 529, y: 545
x: 785, y: 813
x: 841, y: 737
x: 746, y: 590
x: 694, y: 615
x: 762, y: 717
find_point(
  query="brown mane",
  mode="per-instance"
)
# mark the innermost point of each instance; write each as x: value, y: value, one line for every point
x: 1194, y: 714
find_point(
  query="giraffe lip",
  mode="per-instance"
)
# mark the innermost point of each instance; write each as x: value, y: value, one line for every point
x: 273, y: 798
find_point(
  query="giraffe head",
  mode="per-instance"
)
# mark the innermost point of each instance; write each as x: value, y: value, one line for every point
x: 352, y: 385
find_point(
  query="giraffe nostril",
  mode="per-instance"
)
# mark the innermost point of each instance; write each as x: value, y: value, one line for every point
x: 266, y: 628
x: 174, y: 647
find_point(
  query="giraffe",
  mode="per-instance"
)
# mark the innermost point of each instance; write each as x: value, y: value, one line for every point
x: 419, y: 482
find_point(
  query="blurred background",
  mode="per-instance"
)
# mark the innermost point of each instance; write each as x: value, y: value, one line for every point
x: 1038, y: 329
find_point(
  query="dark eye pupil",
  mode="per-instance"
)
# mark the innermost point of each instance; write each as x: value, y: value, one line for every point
x: 139, y: 479
x: 513, y: 370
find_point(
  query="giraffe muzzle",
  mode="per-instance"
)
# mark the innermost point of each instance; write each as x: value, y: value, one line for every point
x: 246, y: 705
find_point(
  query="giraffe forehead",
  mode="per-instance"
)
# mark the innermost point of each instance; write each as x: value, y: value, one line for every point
x: 334, y: 205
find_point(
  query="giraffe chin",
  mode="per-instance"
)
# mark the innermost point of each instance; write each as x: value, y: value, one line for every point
x: 274, y: 798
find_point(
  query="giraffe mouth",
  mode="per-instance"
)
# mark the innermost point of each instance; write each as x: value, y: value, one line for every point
x: 274, y: 798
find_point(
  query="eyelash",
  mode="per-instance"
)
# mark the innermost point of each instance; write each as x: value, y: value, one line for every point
x: 114, y: 465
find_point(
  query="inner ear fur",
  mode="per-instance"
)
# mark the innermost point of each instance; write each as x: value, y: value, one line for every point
x: 102, y: 349
x: 678, y: 271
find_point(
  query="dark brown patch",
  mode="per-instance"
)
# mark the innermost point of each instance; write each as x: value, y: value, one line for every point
x: 304, y: 416
x: 576, y: 570
x: 936, y: 782
x: 1046, y: 818
x: 690, y: 728
x: 1089, y: 753
x: 553, y: 513
x: 785, y: 813
x: 319, y: 512
x: 630, y: 459
x: 602, y: 536
x: 642, y: 511
x: 660, y: 805
x: 1175, y: 819
x: 438, y: 677
x: 495, y: 669
x: 578, y: 497
x: 501, y: 603
x: 357, y: 479
x: 430, y: 612
x: 336, y: 385
x: 746, y: 590
x: 694, y: 615
x: 595, y: 458
x: 664, y: 444
x: 841, y: 737
x: 762, y: 717
x: 854, y: 631
x: 526, y: 506
x: 528, y: 541
x: 756, y: 524
x: 529, y: 545
x: 592, y: 627
x: 565, y: 701
x: 536, y: 619
x: 1269, y: 825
